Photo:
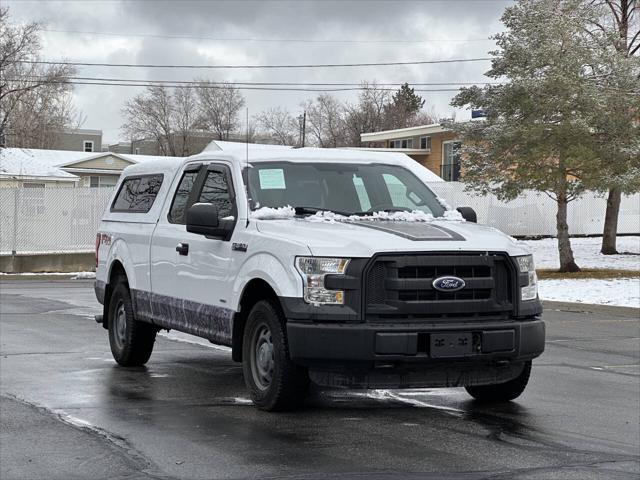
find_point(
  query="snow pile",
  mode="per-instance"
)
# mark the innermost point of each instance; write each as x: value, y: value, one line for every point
x: 623, y: 292
x: 268, y: 213
x: 443, y: 203
x: 84, y: 275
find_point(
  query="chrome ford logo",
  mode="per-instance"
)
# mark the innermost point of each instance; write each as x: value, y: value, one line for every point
x: 448, y: 284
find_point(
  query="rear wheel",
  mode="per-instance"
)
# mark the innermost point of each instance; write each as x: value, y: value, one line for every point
x: 502, y: 392
x: 131, y: 341
x: 275, y: 383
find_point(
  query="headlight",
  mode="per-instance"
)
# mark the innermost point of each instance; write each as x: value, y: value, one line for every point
x: 525, y: 265
x: 313, y: 271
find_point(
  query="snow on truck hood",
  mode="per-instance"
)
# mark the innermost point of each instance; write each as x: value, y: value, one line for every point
x: 328, y: 234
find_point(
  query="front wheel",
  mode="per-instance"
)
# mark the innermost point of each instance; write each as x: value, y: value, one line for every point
x: 275, y: 383
x: 502, y: 392
x: 131, y: 341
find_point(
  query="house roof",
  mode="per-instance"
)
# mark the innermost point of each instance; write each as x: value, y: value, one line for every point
x: 51, y: 164
x: 403, y: 133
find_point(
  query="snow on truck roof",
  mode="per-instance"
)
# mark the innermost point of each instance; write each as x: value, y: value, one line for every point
x: 242, y: 153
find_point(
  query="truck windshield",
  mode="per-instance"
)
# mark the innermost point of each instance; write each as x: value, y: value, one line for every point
x: 349, y: 189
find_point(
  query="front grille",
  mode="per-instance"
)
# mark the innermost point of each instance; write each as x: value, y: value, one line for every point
x: 400, y: 286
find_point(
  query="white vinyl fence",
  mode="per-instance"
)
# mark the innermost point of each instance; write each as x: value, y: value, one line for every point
x: 57, y: 220
x: 533, y: 214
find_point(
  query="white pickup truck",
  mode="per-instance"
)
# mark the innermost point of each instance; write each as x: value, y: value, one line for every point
x: 337, y: 267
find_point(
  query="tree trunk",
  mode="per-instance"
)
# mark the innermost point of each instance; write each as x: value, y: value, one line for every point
x: 567, y: 262
x: 611, y: 222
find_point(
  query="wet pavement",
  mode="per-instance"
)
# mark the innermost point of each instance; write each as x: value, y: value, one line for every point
x: 67, y: 411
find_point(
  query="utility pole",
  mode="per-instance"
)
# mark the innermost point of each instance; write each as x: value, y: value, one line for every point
x: 302, y: 119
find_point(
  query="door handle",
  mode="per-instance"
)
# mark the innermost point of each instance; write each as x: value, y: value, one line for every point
x: 183, y: 248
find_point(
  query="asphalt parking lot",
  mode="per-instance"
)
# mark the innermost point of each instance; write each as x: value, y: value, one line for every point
x: 68, y: 411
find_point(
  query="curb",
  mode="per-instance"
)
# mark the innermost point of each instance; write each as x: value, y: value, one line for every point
x: 613, y: 310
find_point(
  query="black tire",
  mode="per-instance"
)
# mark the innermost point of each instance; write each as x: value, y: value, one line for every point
x: 502, y: 392
x: 274, y: 382
x: 131, y: 341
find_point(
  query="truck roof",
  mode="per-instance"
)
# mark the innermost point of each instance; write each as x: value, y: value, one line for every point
x: 255, y: 153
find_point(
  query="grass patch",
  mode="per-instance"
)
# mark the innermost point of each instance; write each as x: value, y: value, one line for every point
x: 600, y: 273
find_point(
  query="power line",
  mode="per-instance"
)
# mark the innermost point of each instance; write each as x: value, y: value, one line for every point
x: 270, y: 40
x: 314, y: 65
x: 220, y: 87
x: 285, y: 84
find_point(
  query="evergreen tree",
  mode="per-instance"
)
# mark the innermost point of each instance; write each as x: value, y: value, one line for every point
x: 538, y: 133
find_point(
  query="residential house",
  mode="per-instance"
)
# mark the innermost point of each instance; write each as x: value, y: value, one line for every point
x: 79, y: 140
x: 35, y: 168
x: 31, y: 167
x: 196, y: 143
x: 433, y: 146
x: 70, y: 139
x: 198, y: 140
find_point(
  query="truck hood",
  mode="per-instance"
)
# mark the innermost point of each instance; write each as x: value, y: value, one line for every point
x: 365, y: 238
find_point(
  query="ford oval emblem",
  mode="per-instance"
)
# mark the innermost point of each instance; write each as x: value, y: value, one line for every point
x: 448, y: 284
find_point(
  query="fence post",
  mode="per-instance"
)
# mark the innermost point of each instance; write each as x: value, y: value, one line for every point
x: 15, y: 221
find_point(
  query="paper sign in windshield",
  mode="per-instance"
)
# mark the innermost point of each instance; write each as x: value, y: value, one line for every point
x: 272, y: 179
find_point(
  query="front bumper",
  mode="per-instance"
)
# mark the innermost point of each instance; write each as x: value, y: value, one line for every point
x: 398, y: 355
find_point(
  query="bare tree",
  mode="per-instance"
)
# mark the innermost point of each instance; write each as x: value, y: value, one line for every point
x: 280, y: 125
x: 151, y: 115
x: 35, y: 101
x: 620, y: 21
x: 219, y: 108
x: 184, y: 117
x: 368, y: 115
x: 325, y: 121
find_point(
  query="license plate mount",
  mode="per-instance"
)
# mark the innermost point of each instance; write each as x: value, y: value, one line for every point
x: 444, y: 345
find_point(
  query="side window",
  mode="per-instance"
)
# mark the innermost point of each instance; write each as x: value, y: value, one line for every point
x: 177, y: 211
x: 137, y: 194
x: 215, y: 190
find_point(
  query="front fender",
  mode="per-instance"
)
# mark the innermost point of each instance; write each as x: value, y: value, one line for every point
x: 284, y: 280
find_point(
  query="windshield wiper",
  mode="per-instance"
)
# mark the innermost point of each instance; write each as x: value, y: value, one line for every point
x: 388, y: 210
x: 312, y: 210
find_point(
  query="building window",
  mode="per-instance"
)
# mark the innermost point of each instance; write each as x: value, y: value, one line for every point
x: 450, y: 170
x: 88, y: 146
x: 402, y: 143
x: 425, y: 143
x: 108, y: 181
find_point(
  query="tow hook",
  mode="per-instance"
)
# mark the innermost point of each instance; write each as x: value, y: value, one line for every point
x: 99, y: 318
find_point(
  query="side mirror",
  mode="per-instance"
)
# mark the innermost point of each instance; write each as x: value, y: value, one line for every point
x: 202, y: 218
x: 468, y: 213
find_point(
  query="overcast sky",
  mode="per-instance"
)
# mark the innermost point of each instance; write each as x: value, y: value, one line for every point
x: 446, y: 30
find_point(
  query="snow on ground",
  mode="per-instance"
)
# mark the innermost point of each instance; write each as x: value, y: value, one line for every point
x: 587, y: 253
x: 623, y: 292
x: 73, y: 275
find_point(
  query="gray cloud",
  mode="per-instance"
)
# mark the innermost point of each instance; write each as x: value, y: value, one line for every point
x: 362, y: 20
